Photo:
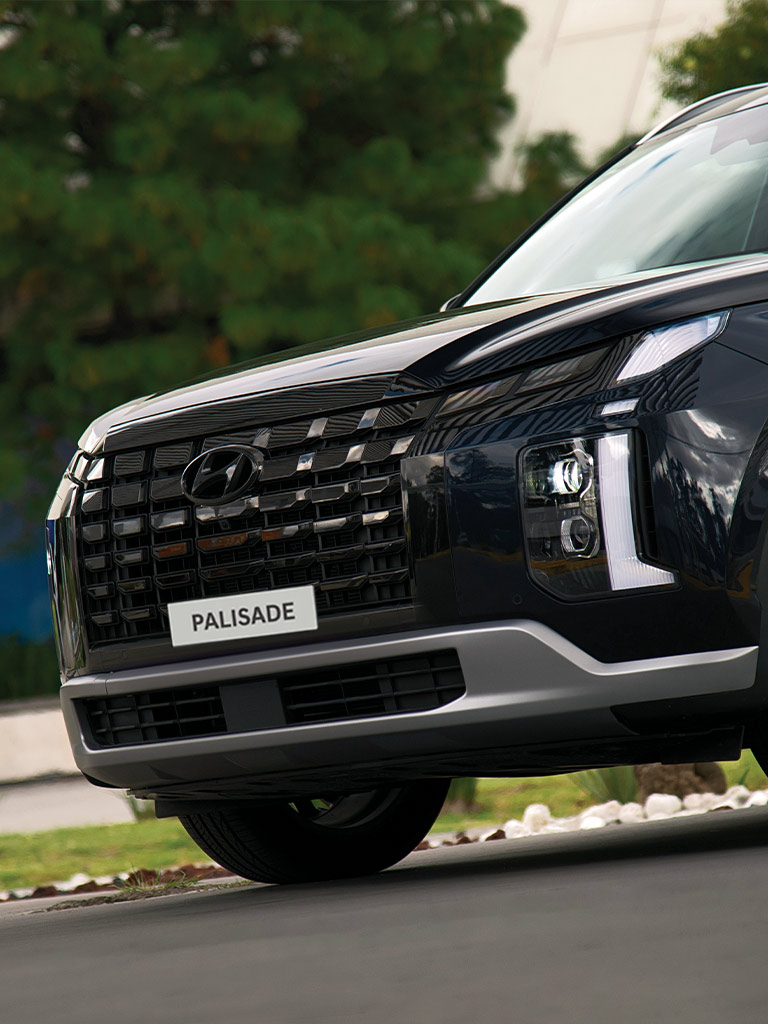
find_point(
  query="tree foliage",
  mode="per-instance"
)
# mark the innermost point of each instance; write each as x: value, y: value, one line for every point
x: 734, y: 54
x: 188, y: 183
x: 183, y: 184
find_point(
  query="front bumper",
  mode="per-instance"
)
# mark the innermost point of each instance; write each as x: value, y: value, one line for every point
x: 526, y: 686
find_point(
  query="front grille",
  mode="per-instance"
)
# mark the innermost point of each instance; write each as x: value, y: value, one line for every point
x: 387, y: 687
x: 328, y: 513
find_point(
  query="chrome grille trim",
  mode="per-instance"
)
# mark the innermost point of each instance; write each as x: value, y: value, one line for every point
x: 331, y: 517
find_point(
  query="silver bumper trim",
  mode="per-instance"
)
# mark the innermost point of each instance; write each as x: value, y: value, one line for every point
x: 514, y: 672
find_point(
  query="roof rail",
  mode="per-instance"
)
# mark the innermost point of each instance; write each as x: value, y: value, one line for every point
x: 688, y: 112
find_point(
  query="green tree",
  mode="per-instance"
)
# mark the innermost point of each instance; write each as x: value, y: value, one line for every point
x: 184, y: 184
x: 734, y: 54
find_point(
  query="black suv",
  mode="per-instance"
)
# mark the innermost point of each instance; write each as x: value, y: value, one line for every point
x: 520, y: 536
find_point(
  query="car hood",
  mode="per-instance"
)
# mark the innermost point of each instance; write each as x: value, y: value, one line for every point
x: 449, y: 348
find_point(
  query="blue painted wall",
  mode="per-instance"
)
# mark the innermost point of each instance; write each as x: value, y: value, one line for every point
x: 24, y: 605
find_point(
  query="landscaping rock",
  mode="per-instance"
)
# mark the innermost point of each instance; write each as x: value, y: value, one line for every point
x: 592, y: 821
x: 662, y: 805
x: 536, y: 816
x: 562, y: 825
x: 513, y: 829
x: 143, y: 878
x: 44, y: 890
x: 93, y: 886
x: 609, y: 812
x: 738, y: 795
x: 498, y: 834
x: 631, y: 814
x: 700, y: 801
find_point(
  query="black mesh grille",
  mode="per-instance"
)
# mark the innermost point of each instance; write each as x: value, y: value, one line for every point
x: 328, y: 512
x: 386, y: 687
x: 155, y: 716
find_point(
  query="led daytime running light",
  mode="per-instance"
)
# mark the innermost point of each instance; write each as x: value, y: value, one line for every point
x: 625, y: 568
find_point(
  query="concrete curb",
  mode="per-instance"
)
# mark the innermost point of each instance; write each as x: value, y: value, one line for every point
x: 33, y: 742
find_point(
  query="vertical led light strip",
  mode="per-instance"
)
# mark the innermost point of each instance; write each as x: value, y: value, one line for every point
x: 626, y: 570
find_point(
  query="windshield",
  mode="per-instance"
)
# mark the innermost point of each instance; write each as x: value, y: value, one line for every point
x: 692, y: 197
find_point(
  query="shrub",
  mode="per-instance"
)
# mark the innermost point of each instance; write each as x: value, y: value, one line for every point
x: 606, y: 784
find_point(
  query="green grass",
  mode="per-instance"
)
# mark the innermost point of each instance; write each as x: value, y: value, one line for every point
x: 41, y: 857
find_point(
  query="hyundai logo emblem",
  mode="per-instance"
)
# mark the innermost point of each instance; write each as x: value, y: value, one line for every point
x: 222, y: 474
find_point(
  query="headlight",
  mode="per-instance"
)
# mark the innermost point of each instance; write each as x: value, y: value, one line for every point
x: 578, y: 518
x: 662, y: 345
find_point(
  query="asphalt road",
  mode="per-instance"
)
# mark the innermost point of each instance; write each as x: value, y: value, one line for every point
x: 650, y: 923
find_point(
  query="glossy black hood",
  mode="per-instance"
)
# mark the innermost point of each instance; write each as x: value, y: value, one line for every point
x: 437, y: 351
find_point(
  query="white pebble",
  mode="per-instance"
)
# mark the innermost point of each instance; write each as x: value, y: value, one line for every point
x: 663, y: 805
x: 737, y: 796
x: 592, y: 821
x: 608, y: 812
x: 694, y: 801
x: 631, y: 813
x: 78, y: 879
x: 562, y: 825
x: 538, y: 820
x: 710, y: 800
x: 536, y: 816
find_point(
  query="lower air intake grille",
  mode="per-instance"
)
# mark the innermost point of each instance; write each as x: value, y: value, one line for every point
x: 388, y: 687
x: 155, y: 716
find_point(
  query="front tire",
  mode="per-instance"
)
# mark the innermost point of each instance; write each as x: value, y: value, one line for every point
x: 312, y: 840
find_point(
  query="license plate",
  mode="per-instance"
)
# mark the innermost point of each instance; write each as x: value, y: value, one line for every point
x: 240, y: 616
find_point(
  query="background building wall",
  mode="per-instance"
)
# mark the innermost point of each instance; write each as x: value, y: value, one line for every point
x: 590, y: 67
